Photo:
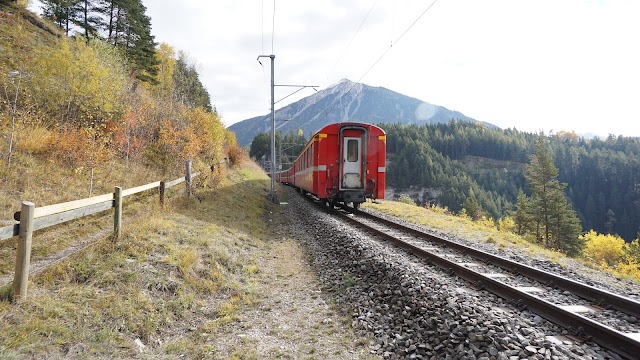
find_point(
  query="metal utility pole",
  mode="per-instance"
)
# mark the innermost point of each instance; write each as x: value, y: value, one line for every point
x: 273, y: 195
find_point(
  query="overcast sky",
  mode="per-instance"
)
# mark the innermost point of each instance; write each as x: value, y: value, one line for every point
x: 526, y: 64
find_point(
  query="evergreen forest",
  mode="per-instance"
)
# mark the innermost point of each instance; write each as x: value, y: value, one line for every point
x: 463, y: 160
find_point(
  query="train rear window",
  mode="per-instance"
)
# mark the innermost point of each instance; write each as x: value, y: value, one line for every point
x: 352, y: 150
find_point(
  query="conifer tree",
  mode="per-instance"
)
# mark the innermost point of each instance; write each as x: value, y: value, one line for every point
x: 522, y: 217
x: 62, y: 12
x: 86, y: 17
x: 558, y: 225
x: 189, y: 88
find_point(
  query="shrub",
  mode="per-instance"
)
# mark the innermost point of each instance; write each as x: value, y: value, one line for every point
x: 236, y: 155
x: 604, y: 249
x: 487, y: 222
x: 35, y: 140
x: 507, y: 224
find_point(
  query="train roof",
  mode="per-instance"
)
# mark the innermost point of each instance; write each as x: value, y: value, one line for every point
x: 333, y: 128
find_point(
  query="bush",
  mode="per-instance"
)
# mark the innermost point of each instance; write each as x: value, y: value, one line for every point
x: 604, y: 249
x: 35, y: 140
x: 236, y: 155
x: 507, y: 224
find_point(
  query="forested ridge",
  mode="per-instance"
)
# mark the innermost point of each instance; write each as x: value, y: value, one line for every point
x: 462, y: 160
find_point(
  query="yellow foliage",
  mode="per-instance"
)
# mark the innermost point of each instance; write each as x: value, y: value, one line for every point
x: 487, y: 222
x: 603, y: 248
x: 507, y: 224
x: 230, y: 138
x: 79, y: 83
x: 437, y: 209
x: 166, y: 67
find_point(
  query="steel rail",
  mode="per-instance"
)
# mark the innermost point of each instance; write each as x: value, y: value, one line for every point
x: 603, y: 335
x: 601, y: 297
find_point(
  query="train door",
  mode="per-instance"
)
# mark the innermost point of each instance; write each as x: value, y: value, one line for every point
x: 352, y: 162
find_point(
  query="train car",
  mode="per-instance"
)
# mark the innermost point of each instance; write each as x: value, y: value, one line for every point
x: 341, y: 163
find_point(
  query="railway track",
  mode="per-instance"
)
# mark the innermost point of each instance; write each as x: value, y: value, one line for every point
x: 587, y: 312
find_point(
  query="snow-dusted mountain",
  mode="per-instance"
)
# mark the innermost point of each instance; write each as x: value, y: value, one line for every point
x: 346, y: 101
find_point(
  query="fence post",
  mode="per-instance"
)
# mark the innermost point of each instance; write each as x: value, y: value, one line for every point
x: 162, y: 190
x: 23, y: 256
x: 188, y: 179
x: 117, y: 215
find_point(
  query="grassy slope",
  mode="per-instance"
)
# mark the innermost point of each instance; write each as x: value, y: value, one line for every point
x: 479, y: 232
x: 178, y: 273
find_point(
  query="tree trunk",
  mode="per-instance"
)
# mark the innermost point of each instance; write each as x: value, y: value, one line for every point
x: 86, y: 19
x: 111, y: 19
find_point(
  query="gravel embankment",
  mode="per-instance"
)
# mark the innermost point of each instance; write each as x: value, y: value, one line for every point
x: 412, y: 310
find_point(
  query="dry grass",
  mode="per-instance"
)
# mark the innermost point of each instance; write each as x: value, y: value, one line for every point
x: 478, y: 231
x: 462, y: 227
x: 176, y: 275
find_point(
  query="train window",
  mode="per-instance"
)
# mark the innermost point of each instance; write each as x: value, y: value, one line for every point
x: 352, y: 150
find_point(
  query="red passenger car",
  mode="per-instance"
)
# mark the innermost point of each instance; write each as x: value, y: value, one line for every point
x: 342, y: 163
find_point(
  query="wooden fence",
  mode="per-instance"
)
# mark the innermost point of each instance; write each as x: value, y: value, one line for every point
x: 33, y: 218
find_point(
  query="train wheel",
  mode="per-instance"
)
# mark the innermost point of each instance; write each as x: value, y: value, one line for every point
x: 356, y: 206
x: 333, y: 204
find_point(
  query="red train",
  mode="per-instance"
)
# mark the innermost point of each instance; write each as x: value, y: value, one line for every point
x: 341, y: 163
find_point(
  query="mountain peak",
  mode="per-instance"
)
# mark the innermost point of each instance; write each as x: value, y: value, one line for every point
x: 346, y: 101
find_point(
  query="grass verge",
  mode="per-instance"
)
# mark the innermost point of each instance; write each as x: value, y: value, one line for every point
x: 175, y: 277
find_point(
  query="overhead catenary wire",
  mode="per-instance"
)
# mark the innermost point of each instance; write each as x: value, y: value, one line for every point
x: 344, y: 52
x: 273, y: 25
x: 398, y: 39
x: 335, y: 103
x: 264, y: 73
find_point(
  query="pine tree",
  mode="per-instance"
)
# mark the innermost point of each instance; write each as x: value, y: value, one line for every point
x: 522, y: 217
x: 189, y: 88
x: 472, y: 207
x: 128, y: 27
x: 61, y: 12
x: 86, y: 17
x: 558, y: 225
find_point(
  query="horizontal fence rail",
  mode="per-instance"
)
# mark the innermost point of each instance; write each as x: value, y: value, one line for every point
x: 33, y: 218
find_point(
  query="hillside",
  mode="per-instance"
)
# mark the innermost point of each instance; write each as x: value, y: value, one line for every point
x: 461, y: 160
x: 347, y: 101
x: 82, y: 108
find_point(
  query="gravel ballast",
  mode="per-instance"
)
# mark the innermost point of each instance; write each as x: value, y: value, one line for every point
x: 409, y: 309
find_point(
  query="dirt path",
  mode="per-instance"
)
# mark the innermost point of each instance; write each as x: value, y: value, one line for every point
x: 294, y: 319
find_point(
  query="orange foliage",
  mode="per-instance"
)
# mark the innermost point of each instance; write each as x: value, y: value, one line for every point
x: 236, y: 155
x: 81, y: 147
x: 127, y: 136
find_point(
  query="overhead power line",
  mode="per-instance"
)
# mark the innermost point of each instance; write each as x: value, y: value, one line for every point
x: 273, y: 24
x: 331, y: 106
x: 395, y: 42
x: 344, y: 52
